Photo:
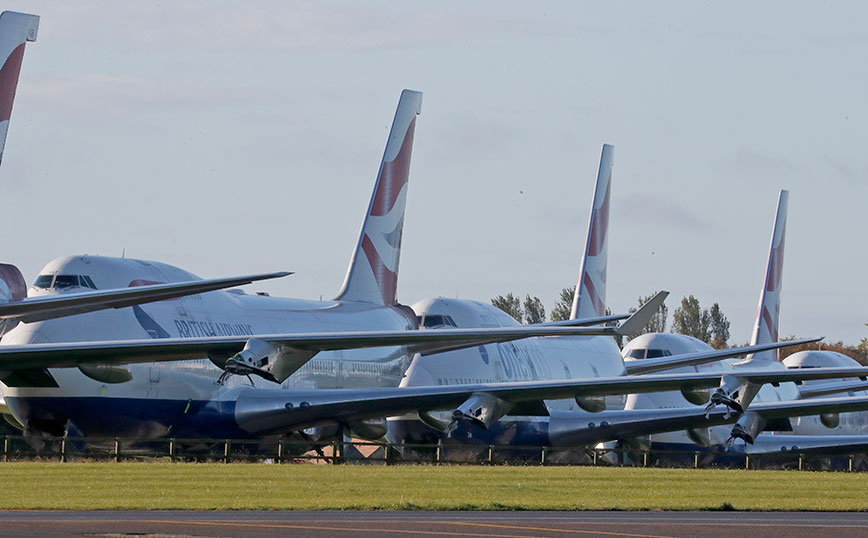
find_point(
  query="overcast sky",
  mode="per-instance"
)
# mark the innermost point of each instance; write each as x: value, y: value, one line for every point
x: 238, y: 137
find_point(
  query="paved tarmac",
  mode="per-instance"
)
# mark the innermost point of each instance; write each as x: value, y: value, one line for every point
x: 402, y: 524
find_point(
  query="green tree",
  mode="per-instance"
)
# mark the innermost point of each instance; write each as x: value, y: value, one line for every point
x: 718, y: 330
x: 534, y: 311
x: 863, y: 345
x: 564, y: 305
x: 690, y: 319
x: 858, y: 352
x: 510, y: 304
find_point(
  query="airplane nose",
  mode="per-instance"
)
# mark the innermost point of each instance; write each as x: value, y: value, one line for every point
x: 417, y: 376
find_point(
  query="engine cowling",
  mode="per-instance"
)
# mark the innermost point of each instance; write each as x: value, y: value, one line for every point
x: 830, y: 420
x: 482, y: 409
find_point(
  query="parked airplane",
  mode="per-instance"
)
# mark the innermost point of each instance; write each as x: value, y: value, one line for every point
x: 565, y: 422
x: 93, y: 373
x: 807, y: 429
x: 112, y: 388
x: 74, y: 373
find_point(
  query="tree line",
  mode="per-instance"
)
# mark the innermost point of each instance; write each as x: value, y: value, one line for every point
x: 707, y: 324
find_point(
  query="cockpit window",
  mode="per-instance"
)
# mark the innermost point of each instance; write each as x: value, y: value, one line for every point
x: 43, y: 281
x: 648, y: 353
x: 435, y: 320
x: 62, y: 282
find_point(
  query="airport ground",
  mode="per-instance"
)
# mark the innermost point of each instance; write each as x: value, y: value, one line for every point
x: 215, y: 486
x: 162, y: 523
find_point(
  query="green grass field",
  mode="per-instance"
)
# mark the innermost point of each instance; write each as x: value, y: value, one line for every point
x: 88, y: 486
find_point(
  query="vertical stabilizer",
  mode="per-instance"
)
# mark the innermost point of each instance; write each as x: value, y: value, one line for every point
x: 373, y: 273
x: 16, y: 29
x: 590, y: 298
x: 765, y: 330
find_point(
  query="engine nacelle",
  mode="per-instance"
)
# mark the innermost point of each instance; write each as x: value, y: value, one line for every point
x: 482, y: 409
x: 105, y: 373
x: 749, y: 425
x: 592, y: 404
x: 830, y: 420
x: 371, y: 429
x: 268, y: 360
x: 12, y: 288
x: 696, y: 397
x: 735, y: 393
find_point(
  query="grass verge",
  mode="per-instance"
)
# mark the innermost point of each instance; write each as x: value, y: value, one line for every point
x: 102, y: 486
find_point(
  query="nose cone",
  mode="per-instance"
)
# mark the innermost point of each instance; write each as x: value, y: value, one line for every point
x: 417, y: 376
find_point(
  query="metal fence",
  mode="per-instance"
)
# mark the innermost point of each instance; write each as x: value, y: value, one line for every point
x: 64, y: 449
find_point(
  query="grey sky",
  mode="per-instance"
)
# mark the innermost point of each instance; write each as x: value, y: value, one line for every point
x: 230, y: 138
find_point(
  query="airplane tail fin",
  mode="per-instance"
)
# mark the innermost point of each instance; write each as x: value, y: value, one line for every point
x: 16, y: 29
x: 373, y: 272
x: 590, y: 298
x: 765, y: 330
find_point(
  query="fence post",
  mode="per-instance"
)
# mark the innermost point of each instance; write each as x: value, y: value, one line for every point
x: 542, y: 456
x: 172, y: 449
x: 850, y: 464
x: 645, y: 458
x: 279, y: 450
x: 800, y: 462
x: 5, y: 448
x: 388, y: 452
x: 746, y: 461
x: 437, y: 453
x: 226, y: 451
x: 490, y: 454
x: 117, y: 450
x: 63, y: 450
x: 595, y: 456
x: 696, y: 460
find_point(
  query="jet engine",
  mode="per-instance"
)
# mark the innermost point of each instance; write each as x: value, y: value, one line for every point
x: 482, y: 409
x: 734, y: 393
x: 268, y: 360
x: 592, y: 404
x: 830, y: 420
x: 749, y: 425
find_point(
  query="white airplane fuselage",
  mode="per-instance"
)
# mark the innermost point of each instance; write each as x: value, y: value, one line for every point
x: 183, y: 398
x: 521, y: 360
x: 660, y: 344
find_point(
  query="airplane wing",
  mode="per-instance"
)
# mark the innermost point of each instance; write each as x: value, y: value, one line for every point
x: 274, y: 357
x: 261, y: 411
x: 57, y: 306
x: 826, y: 389
x: 118, y: 352
x: 767, y: 443
x: 566, y: 429
x: 647, y: 366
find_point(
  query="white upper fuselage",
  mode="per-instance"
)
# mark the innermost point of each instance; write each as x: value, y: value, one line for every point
x: 521, y: 360
x: 217, y: 313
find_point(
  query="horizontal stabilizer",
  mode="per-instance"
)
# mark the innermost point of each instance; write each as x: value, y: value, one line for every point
x: 647, y: 366
x: 58, y: 306
x: 584, y: 322
x: 640, y: 318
